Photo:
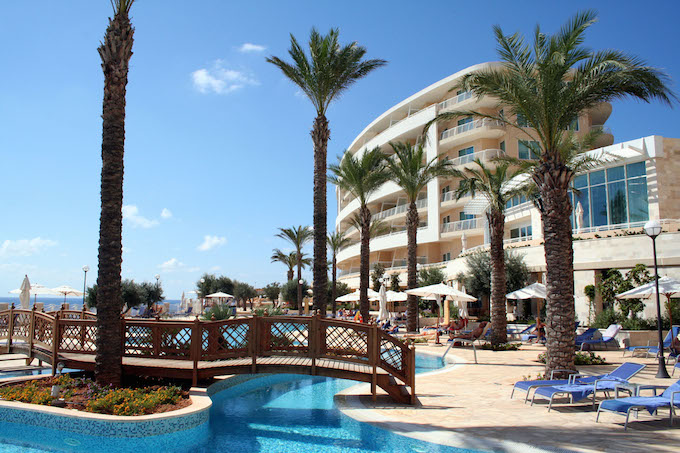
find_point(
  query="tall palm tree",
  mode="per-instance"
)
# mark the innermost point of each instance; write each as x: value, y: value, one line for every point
x: 298, y: 236
x: 361, y: 176
x: 411, y: 171
x: 336, y: 242
x: 549, y: 83
x: 289, y: 259
x: 377, y: 228
x: 115, y: 52
x: 323, y: 76
x: 495, y: 186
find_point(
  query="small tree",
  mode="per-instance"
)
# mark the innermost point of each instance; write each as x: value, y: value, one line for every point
x: 210, y: 283
x: 377, y: 275
x: 272, y: 291
x: 289, y: 292
x: 132, y: 294
x: 430, y: 276
x: 244, y: 292
x: 477, y: 279
x: 394, y: 282
x: 613, y: 283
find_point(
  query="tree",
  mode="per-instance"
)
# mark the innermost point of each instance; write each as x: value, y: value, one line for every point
x: 430, y: 276
x: 115, y: 53
x: 394, y: 282
x: 477, y: 279
x: 132, y: 295
x: 361, y: 175
x: 298, y: 237
x: 377, y: 275
x: 289, y: 292
x: 494, y: 185
x: 341, y: 289
x: 329, y: 71
x: 336, y: 242
x: 272, y: 291
x: 244, y: 292
x: 548, y: 83
x: 410, y: 170
x: 613, y: 282
x: 289, y: 259
x: 210, y: 284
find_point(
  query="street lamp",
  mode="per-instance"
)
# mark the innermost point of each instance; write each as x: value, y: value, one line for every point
x: 85, y: 269
x: 653, y: 229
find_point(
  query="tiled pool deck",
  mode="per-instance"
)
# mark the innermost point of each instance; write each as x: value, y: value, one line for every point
x: 472, y: 402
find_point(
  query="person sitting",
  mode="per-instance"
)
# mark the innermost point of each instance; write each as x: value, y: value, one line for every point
x: 473, y: 335
x: 456, y: 324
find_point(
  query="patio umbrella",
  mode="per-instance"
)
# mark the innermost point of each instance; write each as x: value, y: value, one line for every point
x: 219, y: 295
x: 35, y: 290
x: 354, y: 297
x: 25, y: 294
x: 383, y: 314
x: 396, y: 296
x: 533, y: 291
x: 440, y: 291
x: 667, y: 286
x: 67, y: 290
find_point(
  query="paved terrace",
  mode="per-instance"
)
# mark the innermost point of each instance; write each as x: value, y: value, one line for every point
x: 470, y: 406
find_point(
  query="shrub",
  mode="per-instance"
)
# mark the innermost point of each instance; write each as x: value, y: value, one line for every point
x: 126, y: 401
x: 582, y: 358
x: 220, y: 312
x: 27, y: 393
x: 501, y: 347
x: 274, y: 311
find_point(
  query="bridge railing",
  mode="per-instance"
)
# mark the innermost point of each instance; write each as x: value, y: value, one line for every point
x: 301, y: 336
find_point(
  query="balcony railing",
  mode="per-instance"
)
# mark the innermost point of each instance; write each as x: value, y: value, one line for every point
x: 602, y: 128
x: 469, y: 224
x: 485, y: 122
x: 484, y: 155
x: 455, y: 100
x: 422, y: 203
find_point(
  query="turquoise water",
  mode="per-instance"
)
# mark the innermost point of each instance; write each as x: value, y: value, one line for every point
x: 272, y: 414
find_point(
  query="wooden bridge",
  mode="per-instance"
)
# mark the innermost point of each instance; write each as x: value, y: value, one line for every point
x: 200, y: 350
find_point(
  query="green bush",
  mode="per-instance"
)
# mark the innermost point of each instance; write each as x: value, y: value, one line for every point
x: 219, y: 311
x: 582, y: 358
x: 501, y: 347
x: 126, y: 401
x: 274, y: 311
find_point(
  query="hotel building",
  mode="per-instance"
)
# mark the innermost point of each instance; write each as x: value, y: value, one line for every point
x: 640, y: 181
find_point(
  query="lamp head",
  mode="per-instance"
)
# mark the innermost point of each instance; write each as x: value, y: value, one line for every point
x: 652, y: 228
x: 86, y: 268
x: 301, y: 282
x: 157, y: 276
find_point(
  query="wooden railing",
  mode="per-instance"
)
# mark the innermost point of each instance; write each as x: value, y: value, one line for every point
x: 254, y: 337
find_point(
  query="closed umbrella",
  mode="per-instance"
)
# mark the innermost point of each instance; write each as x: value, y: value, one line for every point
x: 35, y: 290
x: 25, y: 295
x: 383, y: 314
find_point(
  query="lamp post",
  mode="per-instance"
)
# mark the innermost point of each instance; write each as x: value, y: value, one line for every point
x: 85, y: 269
x: 653, y: 229
x: 300, y: 302
x: 158, y: 285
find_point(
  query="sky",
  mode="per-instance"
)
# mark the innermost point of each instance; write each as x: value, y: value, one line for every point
x: 218, y: 153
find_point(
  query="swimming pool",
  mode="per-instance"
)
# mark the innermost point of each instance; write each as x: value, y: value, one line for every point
x: 270, y: 413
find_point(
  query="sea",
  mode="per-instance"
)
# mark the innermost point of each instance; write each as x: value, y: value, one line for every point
x: 54, y: 302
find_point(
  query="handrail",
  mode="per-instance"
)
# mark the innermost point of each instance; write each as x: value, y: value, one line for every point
x: 483, y: 155
x: 468, y: 224
x: 485, y: 122
x: 455, y: 100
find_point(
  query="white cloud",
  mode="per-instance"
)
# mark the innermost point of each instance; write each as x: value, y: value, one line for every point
x: 250, y: 47
x: 175, y: 265
x: 25, y: 247
x: 166, y: 213
x: 131, y: 214
x: 211, y: 242
x: 221, y: 80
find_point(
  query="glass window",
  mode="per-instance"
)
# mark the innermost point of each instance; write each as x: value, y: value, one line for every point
x: 465, y: 121
x: 464, y: 216
x: 466, y: 151
x: 580, y: 181
x: 598, y: 205
x: 597, y: 177
x: 584, y: 199
x: 616, y: 174
x: 502, y: 146
x: 526, y: 149
x: 514, y: 233
x: 618, y: 211
x: 573, y: 125
x: 522, y: 121
x: 638, y: 203
x: 446, y: 219
x: 636, y: 169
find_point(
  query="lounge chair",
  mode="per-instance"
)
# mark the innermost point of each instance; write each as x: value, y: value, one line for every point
x: 469, y: 338
x: 670, y: 398
x: 654, y: 350
x: 528, y: 386
x: 578, y: 391
x: 585, y: 336
x: 609, y: 336
x: 676, y: 367
x: 526, y: 333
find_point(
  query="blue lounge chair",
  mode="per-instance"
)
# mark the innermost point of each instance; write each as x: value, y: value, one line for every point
x: 528, y: 386
x: 526, y: 333
x: 654, y: 350
x: 609, y: 336
x: 676, y: 367
x: 578, y: 391
x: 670, y: 398
x: 585, y: 336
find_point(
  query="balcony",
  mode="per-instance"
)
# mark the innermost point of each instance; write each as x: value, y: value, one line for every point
x: 455, y: 100
x: 484, y: 155
x: 422, y: 203
x: 462, y: 225
x: 460, y: 134
x: 606, y: 136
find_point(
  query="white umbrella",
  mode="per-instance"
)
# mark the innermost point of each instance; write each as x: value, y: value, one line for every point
x: 396, y: 296
x: 354, y: 297
x: 441, y: 289
x: 219, y: 295
x: 533, y: 291
x: 383, y: 314
x: 67, y: 291
x: 667, y: 286
x: 25, y: 295
x: 182, y: 303
x: 35, y: 290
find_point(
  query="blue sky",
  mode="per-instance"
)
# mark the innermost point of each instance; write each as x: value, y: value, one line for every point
x: 218, y: 153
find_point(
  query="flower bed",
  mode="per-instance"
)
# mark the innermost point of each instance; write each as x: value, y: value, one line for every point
x: 85, y: 394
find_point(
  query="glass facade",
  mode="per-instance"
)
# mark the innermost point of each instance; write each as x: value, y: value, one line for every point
x: 526, y: 149
x: 466, y: 151
x: 514, y: 201
x: 614, y: 196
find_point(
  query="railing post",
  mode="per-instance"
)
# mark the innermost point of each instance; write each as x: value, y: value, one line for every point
x: 374, y: 358
x: 252, y: 343
x: 31, y: 333
x: 156, y: 337
x: 195, y: 349
x: 313, y: 340
x: 56, y: 340
x: 412, y: 373
x: 10, y: 326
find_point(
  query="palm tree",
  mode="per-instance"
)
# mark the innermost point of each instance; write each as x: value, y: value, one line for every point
x: 115, y: 53
x: 323, y: 77
x: 361, y: 176
x: 410, y: 170
x: 494, y: 185
x: 549, y: 83
x: 298, y: 236
x: 289, y: 259
x: 377, y: 228
x: 336, y: 241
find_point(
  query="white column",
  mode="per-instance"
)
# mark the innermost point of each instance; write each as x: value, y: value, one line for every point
x: 432, y: 151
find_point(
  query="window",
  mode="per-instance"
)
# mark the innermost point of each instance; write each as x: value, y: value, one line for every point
x: 573, y: 126
x: 446, y: 256
x: 464, y: 216
x: 502, y: 146
x: 522, y: 120
x: 446, y: 219
x: 521, y: 232
x: 466, y: 151
x: 465, y: 121
x: 527, y: 149
x: 514, y: 201
x: 446, y: 189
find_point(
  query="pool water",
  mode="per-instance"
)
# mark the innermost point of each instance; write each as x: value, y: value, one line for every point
x: 272, y: 414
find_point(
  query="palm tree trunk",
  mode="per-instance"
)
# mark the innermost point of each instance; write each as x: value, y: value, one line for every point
x: 411, y: 265
x: 290, y: 274
x: 334, y: 293
x: 364, y: 264
x: 320, y: 136
x: 553, y: 182
x: 498, y: 285
x: 299, y: 285
x: 115, y: 53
